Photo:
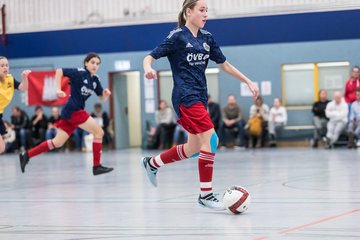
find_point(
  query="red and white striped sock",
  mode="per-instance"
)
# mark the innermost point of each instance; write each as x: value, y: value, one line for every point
x: 41, y: 148
x: 174, y: 154
x: 206, y: 166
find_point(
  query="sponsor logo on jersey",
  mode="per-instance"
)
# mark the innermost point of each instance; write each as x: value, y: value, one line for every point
x: 86, y: 91
x: 189, y: 45
x: 206, y: 46
x: 85, y: 81
x: 197, y: 58
x: 94, y: 85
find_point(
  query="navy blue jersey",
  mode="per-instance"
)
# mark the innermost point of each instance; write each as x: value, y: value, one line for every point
x: 189, y: 57
x: 82, y: 85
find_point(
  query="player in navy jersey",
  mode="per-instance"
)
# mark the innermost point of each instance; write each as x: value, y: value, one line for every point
x: 84, y: 82
x: 7, y: 86
x: 189, y: 49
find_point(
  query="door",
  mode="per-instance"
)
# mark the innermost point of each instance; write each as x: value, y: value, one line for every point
x: 127, y: 109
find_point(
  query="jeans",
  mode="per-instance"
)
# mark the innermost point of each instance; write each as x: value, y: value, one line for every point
x: 50, y: 133
x: 319, y: 127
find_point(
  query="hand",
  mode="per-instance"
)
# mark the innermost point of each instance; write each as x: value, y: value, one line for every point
x: 150, y: 73
x: 254, y: 89
x: 106, y: 92
x: 60, y: 93
x: 25, y: 74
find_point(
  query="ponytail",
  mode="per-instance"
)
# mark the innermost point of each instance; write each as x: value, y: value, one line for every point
x: 181, y: 19
x: 182, y: 14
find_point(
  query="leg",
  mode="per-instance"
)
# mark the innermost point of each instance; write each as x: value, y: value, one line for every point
x: 23, y: 138
x: 2, y: 145
x: 59, y: 140
x: 241, y: 132
x: 339, y: 127
x: 317, y: 128
x: 92, y: 127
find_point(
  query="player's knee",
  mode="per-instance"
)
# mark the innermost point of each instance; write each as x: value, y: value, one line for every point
x: 214, y: 141
x: 57, y: 143
x: 98, y: 133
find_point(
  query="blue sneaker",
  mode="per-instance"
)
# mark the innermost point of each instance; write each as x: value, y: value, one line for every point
x: 210, y: 201
x: 151, y: 173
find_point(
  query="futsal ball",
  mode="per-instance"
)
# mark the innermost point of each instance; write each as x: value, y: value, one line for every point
x: 236, y: 199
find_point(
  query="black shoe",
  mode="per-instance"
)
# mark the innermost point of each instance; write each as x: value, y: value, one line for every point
x: 24, y: 159
x: 101, y: 169
x: 315, y: 144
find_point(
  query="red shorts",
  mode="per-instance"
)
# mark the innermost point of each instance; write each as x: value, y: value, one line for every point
x: 71, y: 124
x: 195, y: 119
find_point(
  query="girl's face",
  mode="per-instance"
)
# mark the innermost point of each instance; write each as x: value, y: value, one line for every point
x: 93, y: 65
x: 198, y: 15
x: 4, y: 67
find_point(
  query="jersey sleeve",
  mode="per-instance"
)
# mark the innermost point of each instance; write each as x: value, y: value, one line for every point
x: 166, y: 48
x: 99, y: 89
x: 216, y: 54
x: 16, y: 84
x: 70, y: 72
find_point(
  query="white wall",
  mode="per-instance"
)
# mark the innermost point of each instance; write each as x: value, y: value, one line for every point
x: 42, y: 15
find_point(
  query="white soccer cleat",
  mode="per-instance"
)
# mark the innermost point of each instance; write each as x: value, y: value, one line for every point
x: 210, y: 201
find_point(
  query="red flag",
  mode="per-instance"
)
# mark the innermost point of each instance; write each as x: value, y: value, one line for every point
x: 42, y: 89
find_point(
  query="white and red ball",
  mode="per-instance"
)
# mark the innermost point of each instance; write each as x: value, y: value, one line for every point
x: 236, y: 199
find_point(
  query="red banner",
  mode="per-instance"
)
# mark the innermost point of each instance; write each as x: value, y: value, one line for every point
x: 42, y: 89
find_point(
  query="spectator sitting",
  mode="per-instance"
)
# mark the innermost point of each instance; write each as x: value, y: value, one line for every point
x: 51, y: 129
x: 79, y: 139
x: 354, y: 122
x: 215, y: 113
x: 165, y: 121
x: 9, y: 138
x: 259, y: 114
x: 233, y: 122
x: 20, y: 123
x: 320, y: 119
x: 277, y: 121
x: 351, y: 85
x: 180, y: 135
x: 39, y: 124
x: 102, y: 118
x: 337, y: 112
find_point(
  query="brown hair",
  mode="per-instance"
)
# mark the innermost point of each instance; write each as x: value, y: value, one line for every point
x: 90, y: 56
x: 182, y: 15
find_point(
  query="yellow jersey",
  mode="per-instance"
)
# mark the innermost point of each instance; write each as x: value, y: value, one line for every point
x: 7, y: 91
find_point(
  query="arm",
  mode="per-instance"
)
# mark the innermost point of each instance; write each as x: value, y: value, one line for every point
x: 58, y: 76
x: 231, y: 70
x: 24, y: 80
x: 150, y: 73
x: 105, y: 94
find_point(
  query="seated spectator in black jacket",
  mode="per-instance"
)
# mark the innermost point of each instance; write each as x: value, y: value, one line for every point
x: 233, y: 124
x: 215, y: 114
x: 20, y: 123
x: 102, y: 118
x: 51, y: 129
x: 320, y: 119
x: 39, y: 123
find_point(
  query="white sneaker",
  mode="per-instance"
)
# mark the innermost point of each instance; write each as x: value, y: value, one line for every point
x: 358, y: 143
x: 151, y: 173
x: 210, y: 201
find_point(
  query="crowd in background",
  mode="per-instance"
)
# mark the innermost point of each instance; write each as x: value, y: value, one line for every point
x: 24, y: 132
x: 335, y: 120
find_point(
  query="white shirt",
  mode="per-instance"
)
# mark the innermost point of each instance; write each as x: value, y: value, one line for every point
x: 278, y: 115
x: 337, y: 112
